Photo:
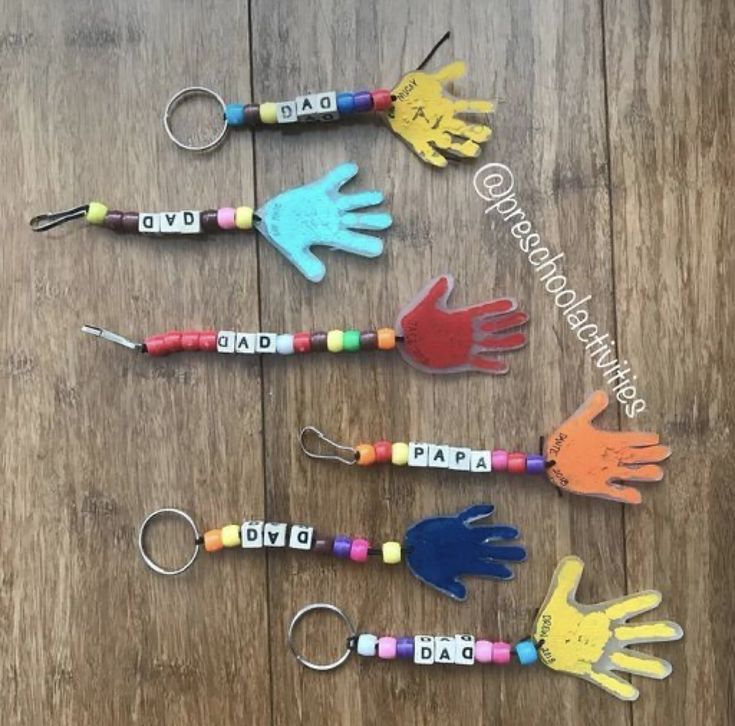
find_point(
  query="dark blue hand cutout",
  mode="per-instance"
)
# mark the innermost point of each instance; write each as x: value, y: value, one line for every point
x: 442, y: 549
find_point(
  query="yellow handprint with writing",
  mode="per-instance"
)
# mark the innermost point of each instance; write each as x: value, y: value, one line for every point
x: 591, y: 641
x: 426, y: 119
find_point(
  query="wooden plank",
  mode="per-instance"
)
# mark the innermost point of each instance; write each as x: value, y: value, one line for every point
x: 94, y: 438
x: 669, y: 70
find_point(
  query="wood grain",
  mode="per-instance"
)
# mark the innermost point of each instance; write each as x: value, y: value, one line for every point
x: 615, y: 119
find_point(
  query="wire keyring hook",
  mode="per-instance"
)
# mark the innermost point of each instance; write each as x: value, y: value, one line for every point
x: 177, y: 99
x: 141, y: 545
x: 308, y: 431
x: 319, y: 606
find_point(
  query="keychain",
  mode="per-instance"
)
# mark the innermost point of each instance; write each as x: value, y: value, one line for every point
x: 428, y: 335
x: 417, y: 110
x: 438, y: 551
x: 587, y: 641
x: 298, y: 219
x: 577, y: 457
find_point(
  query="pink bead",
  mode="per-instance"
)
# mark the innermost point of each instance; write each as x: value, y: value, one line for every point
x: 387, y: 647
x: 359, y: 550
x: 226, y: 218
x: 499, y: 460
x: 501, y: 653
x: 484, y: 651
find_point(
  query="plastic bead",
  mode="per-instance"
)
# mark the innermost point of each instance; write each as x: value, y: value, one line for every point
x: 382, y: 451
x: 208, y: 220
x: 231, y: 535
x: 323, y: 546
x: 526, y: 652
x: 235, y: 114
x: 252, y: 114
x: 517, y: 463
x: 391, y: 553
x: 244, y: 218
x: 213, y: 540
x: 387, y: 647
x: 113, y: 220
x: 381, y: 99
x: 386, y: 338
x: 359, y: 550
x: 342, y: 546
x: 351, y: 341
x: 302, y: 343
x: 268, y: 113
x: 501, y: 653
x: 363, y: 101
x: 367, y: 644
x: 226, y: 218
x: 318, y: 342
x: 130, y: 222
x: 368, y: 340
x: 284, y: 344
x: 399, y: 454
x: 96, y: 213
x: 365, y: 454
x: 345, y: 103
x: 483, y: 651
x: 535, y: 464
x: 335, y: 341
x: 499, y: 460
x: 404, y: 648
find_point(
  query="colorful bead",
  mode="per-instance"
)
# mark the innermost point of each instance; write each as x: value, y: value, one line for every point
x: 130, y: 222
x: 96, y: 212
x: 526, y: 652
x: 213, y: 540
x: 335, y: 341
x: 368, y: 340
x: 113, y: 220
x: 517, y: 463
x: 302, y: 343
x: 244, y: 218
x: 318, y: 342
x: 363, y: 101
x: 268, y: 113
x: 359, y: 550
x: 208, y: 220
x: 226, y: 218
x: 345, y: 103
x: 499, y: 460
x: 535, y: 464
x: 386, y: 338
x: 351, y: 341
x: 367, y: 644
x: 284, y: 344
x: 382, y: 100
x: 399, y: 454
x: 231, y: 535
x: 342, y: 546
x: 501, y: 653
x: 391, y: 553
x: 382, y: 451
x: 387, y: 647
x: 365, y: 454
x: 404, y: 648
x: 252, y: 114
x: 323, y: 546
x: 235, y: 114
x: 483, y: 651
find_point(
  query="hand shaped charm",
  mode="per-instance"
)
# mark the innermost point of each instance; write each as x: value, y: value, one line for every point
x: 594, y: 462
x: 442, y: 549
x: 591, y: 641
x: 439, y: 340
x: 317, y: 214
x: 423, y: 117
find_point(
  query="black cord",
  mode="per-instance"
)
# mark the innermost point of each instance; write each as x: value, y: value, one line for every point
x: 443, y: 39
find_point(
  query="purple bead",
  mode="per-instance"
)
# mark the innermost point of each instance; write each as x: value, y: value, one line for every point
x: 342, y: 546
x: 535, y: 464
x: 363, y: 101
x: 404, y: 648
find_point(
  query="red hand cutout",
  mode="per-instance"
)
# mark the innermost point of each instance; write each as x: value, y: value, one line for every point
x: 439, y: 340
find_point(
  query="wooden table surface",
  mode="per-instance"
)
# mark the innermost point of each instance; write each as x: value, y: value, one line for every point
x: 616, y: 119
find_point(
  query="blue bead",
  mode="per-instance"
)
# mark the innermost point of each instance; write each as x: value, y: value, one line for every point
x: 526, y: 652
x: 363, y: 101
x: 345, y: 103
x: 535, y: 464
x: 235, y: 114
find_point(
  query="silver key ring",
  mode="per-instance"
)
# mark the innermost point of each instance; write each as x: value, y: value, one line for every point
x: 147, y: 558
x: 351, y: 632
x: 177, y: 99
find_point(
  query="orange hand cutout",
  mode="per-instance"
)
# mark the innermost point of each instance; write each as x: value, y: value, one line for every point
x: 590, y: 461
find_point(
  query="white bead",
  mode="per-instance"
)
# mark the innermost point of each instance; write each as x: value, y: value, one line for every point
x: 464, y: 649
x: 284, y: 344
x: 274, y: 534
x: 418, y: 454
x: 317, y: 107
x: 444, y: 646
x: 149, y: 222
x: 300, y: 537
x: 423, y: 649
x: 251, y: 535
x: 480, y: 461
x: 438, y: 456
x: 286, y: 112
x: 170, y: 222
x: 191, y: 222
x: 367, y: 645
x: 265, y: 343
x: 245, y: 343
x: 226, y: 341
x: 459, y: 458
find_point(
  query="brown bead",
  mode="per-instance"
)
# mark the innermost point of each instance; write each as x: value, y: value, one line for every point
x: 318, y: 342
x: 368, y: 340
x: 208, y: 220
x: 252, y: 114
x: 129, y: 222
x: 323, y: 546
x: 113, y: 220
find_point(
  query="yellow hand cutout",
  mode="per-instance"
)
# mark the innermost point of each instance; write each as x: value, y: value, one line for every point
x: 425, y: 118
x: 591, y: 641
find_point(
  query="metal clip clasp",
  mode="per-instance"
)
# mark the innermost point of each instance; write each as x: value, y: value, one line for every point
x: 49, y: 220
x: 311, y: 431
x: 112, y: 337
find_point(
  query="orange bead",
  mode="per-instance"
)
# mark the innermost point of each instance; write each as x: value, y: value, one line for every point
x: 365, y: 454
x: 386, y: 338
x: 213, y: 540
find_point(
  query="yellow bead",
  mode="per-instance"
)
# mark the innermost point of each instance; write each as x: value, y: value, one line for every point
x: 231, y: 535
x: 96, y: 213
x: 391, y: 553
x: 335, y: 341
x: 268, y: 113
x: 399, y: 454
x: 244, y: 218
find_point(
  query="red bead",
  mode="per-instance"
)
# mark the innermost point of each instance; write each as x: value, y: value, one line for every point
x: 381, y: 99
x: 208, y: 340
x: 172, y: 341
x: 155, y: 345
x: 190, y: 340
x: 517, y: 463
x: 302, y: 342
x: 383, y: 450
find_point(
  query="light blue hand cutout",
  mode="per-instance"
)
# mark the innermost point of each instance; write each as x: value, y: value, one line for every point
x: 317, y: 214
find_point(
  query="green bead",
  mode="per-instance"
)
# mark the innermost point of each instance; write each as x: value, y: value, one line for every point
x: 351, y: 340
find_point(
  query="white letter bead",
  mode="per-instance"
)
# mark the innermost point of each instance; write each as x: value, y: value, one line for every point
x: 438, y: 456
x: 328, y: 106
x: 149, y: 222
x: 480, y: 461
x: 190, y: 222
x: 265, y: 343
x: 464, y: 649
x: 300, y: 537
x: 418, y: 454
x: 170, y: 222
x: 367, y: 644
x: 245, y: 343
x: 286, y: 112
x: 444, y: 646
x: 226, y: 341
x: 274, y: 534
x: 459, y: 459
x: 251, y: 535
x: 423, y: 649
